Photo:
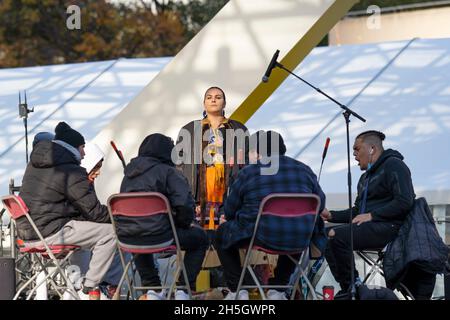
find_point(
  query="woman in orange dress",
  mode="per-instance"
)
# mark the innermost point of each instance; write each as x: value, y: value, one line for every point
x: 212, y: 152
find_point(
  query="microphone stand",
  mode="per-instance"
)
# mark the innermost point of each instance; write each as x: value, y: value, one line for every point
x: 347, y: 113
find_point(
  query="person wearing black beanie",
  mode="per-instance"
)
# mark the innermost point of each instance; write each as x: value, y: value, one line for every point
x: 63, y: 132
x: 63, y: 205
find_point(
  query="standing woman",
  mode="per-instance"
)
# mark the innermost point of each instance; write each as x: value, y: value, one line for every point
x: 211, y: 150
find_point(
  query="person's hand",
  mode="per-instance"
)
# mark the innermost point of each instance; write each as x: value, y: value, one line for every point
x: 197, y: 210
x: 361, y: 218
x: 325, y: 214
x: 222, y: 219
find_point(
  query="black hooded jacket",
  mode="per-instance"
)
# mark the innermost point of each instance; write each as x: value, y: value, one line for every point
x: 390, y: 194
x: 56, y: 190
x: 417, y: 245
x: 153, y: 171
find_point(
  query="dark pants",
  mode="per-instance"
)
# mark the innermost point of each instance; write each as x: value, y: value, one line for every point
x: 231, y: 262
x: 192, y: 240
x: 419, y: 283
x: 368, y: 235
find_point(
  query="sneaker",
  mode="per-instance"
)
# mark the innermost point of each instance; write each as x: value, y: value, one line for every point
x: 82, y: 295
x: 107, y: 291
x: 104, y: 296
x: 153, y: 295
x: 89, y: 293
x: 342, y: 295
x: 243, y: 295
x: 275, y: 295
x: 181, y: 295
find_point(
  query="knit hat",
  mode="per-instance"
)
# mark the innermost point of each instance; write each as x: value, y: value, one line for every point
x: 65, y: 133
x: 93, y: 155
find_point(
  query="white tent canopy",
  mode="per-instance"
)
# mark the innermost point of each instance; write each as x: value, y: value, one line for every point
x: 401, y: 88
x: 85, y: 95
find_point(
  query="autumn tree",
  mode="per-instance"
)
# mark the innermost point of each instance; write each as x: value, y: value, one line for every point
x: 34, y: 32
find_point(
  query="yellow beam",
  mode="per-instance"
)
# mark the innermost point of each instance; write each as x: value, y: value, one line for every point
x: 292, y: 59
x: 232, y: 52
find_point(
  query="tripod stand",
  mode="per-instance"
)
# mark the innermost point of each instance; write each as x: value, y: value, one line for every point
x: 23, y: 113
x: 347, y: 113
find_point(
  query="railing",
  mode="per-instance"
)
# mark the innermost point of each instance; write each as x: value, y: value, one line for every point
x: 403, y: 7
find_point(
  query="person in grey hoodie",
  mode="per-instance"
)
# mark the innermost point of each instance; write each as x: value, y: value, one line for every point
x: 63, y: 205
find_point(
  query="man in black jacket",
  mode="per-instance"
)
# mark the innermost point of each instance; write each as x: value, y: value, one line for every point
x: 153, y: 171
x: 62, y: 204
x: 385, y: 197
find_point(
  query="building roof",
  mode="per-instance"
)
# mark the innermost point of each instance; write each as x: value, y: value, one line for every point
x: 400, y: 8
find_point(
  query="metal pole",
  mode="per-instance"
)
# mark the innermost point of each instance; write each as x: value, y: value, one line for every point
x: 12, y: 228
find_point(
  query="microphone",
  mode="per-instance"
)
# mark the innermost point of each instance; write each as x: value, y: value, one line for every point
x: 273, y: 63
x: 119, y: 154
x: 324, y: 154
x: 325, y: 150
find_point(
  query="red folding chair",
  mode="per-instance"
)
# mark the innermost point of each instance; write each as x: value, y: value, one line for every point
x: 283, y: 205
x: 24, y: 262
x: 48, y: 256
x: 145, y: 204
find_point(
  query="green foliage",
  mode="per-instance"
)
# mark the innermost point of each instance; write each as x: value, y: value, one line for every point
x: 197, y: 14
x: 34, y: 32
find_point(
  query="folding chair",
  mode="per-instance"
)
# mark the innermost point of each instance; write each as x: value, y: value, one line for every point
x: 24, y: 262
x: 375, y: 264
x: 283, y: 205
x: 56, y: 256
x: 376, y: 267
x: 141, y: 205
